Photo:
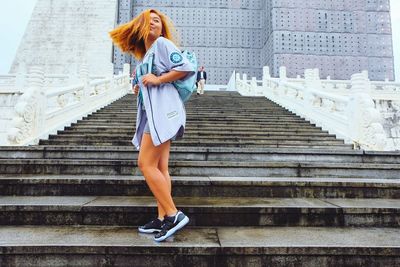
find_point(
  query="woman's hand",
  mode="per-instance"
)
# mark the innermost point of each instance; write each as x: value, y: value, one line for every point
x: 151, y: 79
x: 135, y: 89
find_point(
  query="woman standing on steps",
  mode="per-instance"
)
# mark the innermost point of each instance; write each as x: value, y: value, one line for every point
x: 161, y: 114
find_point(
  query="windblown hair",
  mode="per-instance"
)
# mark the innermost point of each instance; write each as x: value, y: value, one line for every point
x: 130, y: 37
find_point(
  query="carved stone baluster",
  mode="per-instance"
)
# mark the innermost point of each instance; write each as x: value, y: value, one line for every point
x: 30, y: 110
x: 254, y: 88
x: 266, y: 76
x: 365, y: 126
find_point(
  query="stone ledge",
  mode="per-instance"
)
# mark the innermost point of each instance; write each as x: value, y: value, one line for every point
x: 232, y: 240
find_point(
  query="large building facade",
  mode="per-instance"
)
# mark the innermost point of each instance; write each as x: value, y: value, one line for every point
x: 63, y: 35
x: 339, y: 37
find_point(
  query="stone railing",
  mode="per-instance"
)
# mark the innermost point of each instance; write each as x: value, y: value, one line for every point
x: 12, y: 81
x: 363, y: 113
x: 39, y: 111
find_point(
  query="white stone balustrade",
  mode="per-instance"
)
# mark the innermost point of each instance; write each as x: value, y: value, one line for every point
x: 38, y: 111
x: 362, y: 112
x: 18, y: 81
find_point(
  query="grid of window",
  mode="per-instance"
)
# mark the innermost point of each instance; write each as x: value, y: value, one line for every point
x: 339, y: 37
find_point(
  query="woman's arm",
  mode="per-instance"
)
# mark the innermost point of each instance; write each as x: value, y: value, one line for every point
x: 151, y: 79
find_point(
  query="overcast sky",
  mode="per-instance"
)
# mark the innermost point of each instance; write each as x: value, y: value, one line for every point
x: 15, y: 14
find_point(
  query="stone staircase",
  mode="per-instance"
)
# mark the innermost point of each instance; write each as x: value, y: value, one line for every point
x: 262, y: 187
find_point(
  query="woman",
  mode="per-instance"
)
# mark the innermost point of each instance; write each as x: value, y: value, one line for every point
x: 161, y: 114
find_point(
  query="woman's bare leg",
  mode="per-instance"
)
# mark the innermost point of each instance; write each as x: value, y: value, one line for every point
x: 163, y: 167
x: 148, y: 161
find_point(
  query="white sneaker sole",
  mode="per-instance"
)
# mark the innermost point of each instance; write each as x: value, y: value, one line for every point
x: 149, y: 231
x: 173, y: 230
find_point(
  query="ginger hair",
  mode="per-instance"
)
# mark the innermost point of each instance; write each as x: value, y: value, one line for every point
x: 130, y: 37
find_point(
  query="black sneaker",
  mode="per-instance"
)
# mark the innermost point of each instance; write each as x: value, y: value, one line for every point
x: 153, y: 226
x: 171, y: 225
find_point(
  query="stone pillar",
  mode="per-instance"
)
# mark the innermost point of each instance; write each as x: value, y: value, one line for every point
x: 84, y: 73
x: 36, y: 77
x: 127, y: 69
x: 312, y: 79
x: 237, y: 76
x: 282, y: 73
x: 253, y: 84
x: 30, y: 110
x: 364, y: 119
x: 266, y: 76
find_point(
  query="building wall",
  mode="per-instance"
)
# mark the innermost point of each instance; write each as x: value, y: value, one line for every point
x: 63, y: 34
x: 225, y: 34
x: 339, y: 37
x: 124, y: 15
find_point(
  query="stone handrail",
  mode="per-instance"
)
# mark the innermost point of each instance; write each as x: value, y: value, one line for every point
x: 18, y: 80
x: 40, y: 112
x: 363, y: 113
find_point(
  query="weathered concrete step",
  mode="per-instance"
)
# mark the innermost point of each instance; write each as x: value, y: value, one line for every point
x: 84, y: 246
x: 225, y: 108
x: 231, y: 103
x: 195, y: 114
x: 262, y: 109
x: 216, y: 138
x: 211, y: 127
x: 203, y: 211
x: 208, y: 112
x: 198, y: 132
x: 202, y: 168
x: 190, y: 136
x: 201, y: 186
x: 101, y: 120
x: 254, y: 120
x: 241, y: 114
x: 204, y: 154
x: 210, y: 123
x: 207, y: 143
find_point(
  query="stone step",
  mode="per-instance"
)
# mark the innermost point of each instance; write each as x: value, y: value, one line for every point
x: 208, y: 143
x: 197, y: 132
x: 102, y: 120
x: 204, y: 154
x: 209, y: 115
x: 206, y: 111
x: 237, y: 107
x: 202, y: 211
x: 221, y: 121
x: 245, y: 168
x: 48, y: 246
x: 190, y: 137
x: 214, y: 126
x: 202, y: 168
x: 211, y: 127
x: 201, y: 186
x: 200, y: 114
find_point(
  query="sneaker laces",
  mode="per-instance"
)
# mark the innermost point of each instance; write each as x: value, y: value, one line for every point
x: 151, y: 223
x: 165, y: 227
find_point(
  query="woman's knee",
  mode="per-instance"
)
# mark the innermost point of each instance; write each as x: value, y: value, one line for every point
x: 163, y: 168
x: 145, y: 166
